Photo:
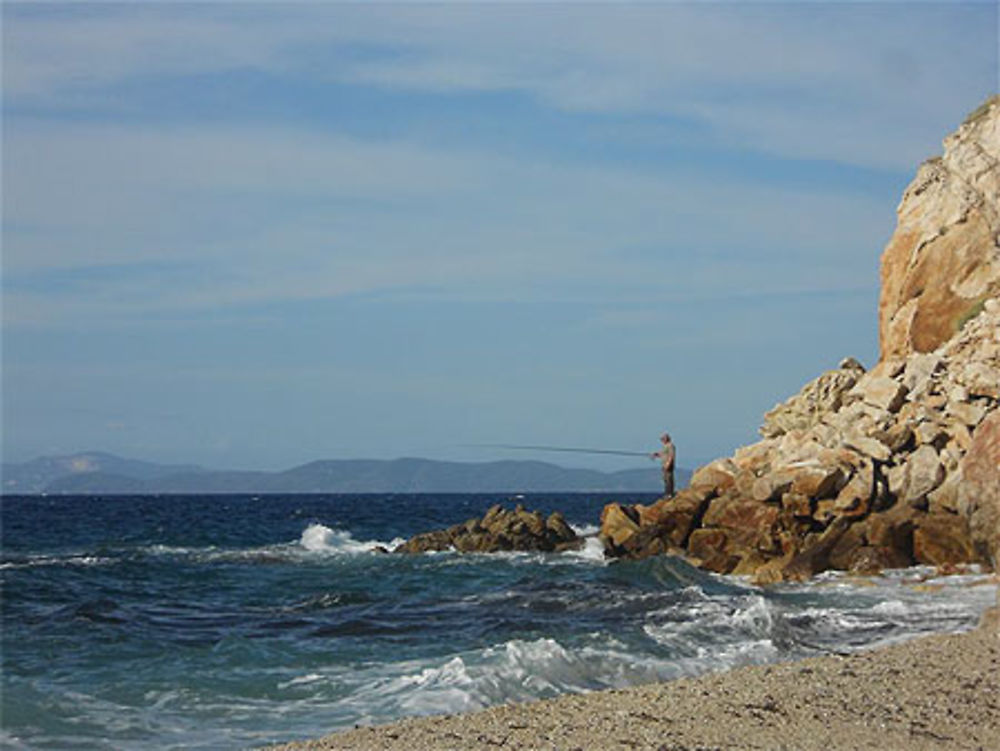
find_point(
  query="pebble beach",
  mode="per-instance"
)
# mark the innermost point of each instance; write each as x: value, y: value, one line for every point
x: 937, y: 692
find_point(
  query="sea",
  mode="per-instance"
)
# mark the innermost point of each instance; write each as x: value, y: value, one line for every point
x: 230, y: 622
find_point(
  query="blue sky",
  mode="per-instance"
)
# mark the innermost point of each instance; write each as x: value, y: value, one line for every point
x: 254, y: 235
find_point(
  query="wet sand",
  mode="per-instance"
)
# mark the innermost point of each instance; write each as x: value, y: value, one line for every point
x: 936, y: 692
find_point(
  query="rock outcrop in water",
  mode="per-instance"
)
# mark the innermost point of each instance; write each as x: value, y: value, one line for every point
x: 497, y: 531
x: 868, y: 470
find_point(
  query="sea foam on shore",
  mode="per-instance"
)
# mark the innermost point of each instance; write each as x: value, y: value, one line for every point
x: 934, y: 693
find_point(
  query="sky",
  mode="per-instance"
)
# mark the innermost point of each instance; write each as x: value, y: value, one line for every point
x: 252, y: 235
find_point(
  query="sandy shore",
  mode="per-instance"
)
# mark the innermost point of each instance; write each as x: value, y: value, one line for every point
x: 937, y: 692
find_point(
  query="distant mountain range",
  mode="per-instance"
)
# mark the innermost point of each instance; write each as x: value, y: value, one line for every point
x: 98, y: 473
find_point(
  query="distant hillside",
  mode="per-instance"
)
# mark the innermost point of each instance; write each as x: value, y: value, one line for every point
x: 100, y: 473
x: 37, y: 475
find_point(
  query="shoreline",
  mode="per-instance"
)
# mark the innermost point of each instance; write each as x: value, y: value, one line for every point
x: 931, y: 692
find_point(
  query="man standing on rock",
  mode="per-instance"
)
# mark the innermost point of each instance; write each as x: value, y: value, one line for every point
x: 667, y: 455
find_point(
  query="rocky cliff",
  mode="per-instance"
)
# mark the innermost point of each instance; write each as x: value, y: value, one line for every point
x: 943, y: 260
x: 868, y: 470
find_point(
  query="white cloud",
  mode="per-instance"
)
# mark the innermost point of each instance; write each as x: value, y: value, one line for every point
x: 253, y: 215
x: 838, y: 81
x: 256, y: 212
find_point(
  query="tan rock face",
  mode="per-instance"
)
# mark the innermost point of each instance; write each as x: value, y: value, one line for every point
x: 943, y: 260
x: 941, y: 539
x: 979, y: 491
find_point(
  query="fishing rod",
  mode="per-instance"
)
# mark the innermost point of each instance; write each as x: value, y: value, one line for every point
x: 566, y: 449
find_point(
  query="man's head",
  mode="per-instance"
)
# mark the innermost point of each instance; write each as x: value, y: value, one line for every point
x: 665, y: 438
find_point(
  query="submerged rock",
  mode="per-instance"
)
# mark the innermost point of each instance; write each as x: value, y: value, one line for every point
x: 497, y: 531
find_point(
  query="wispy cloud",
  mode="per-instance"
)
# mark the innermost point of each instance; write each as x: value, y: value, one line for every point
x: 258, y: 215
x: 773, y: 77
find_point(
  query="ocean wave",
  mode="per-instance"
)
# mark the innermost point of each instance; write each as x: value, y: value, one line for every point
x: 318, y: 538
x: 709, y: 633
x: 516, y: 670
x: 76, y: 559
x: 886, y: 613
x: 592, y: 550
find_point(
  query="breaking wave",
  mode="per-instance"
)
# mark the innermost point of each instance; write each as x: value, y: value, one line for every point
x: 33, y: 561
x: 318, y: 538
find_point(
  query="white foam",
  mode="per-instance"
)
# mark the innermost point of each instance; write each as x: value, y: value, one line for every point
x: 592, y: 550
x: 318, y: 538
x: 516, y: 670
x: 891, y: 607
x: 302, y: 680
x: 54, y: 560
x: 426, y: 690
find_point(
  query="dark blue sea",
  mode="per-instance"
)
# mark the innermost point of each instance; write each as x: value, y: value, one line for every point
x: 222, y: 622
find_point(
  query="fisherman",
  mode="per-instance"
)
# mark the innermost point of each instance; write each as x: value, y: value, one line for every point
x: 667, y: 455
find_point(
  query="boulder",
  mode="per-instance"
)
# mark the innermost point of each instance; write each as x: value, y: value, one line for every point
x: 676, y: 516
x: 818, y: 481
x: 618, y: 524
x: 944, y: 498
x: 918, y: 373
x: 427, y: 542
x: 930, y: 432
x: 882, y: 392
x: 797, y: 504
x: 960, y: 435
x: 772, y: 486
x: 748, y: 524
x: 850, y: 549
x: 895, y: 437
x: 647, y: 542
x: 868, y: 446
x: 557, y: 525
x: 709, y: 550
x: 868, y: 560
x: 892, y: 530
x: 857, y: 496
x: 714, y: 478
x: 814, y: 556
x: 924, y: 473
x: 968, y: 414
x: 979, y: 493
x: 983, y: 380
